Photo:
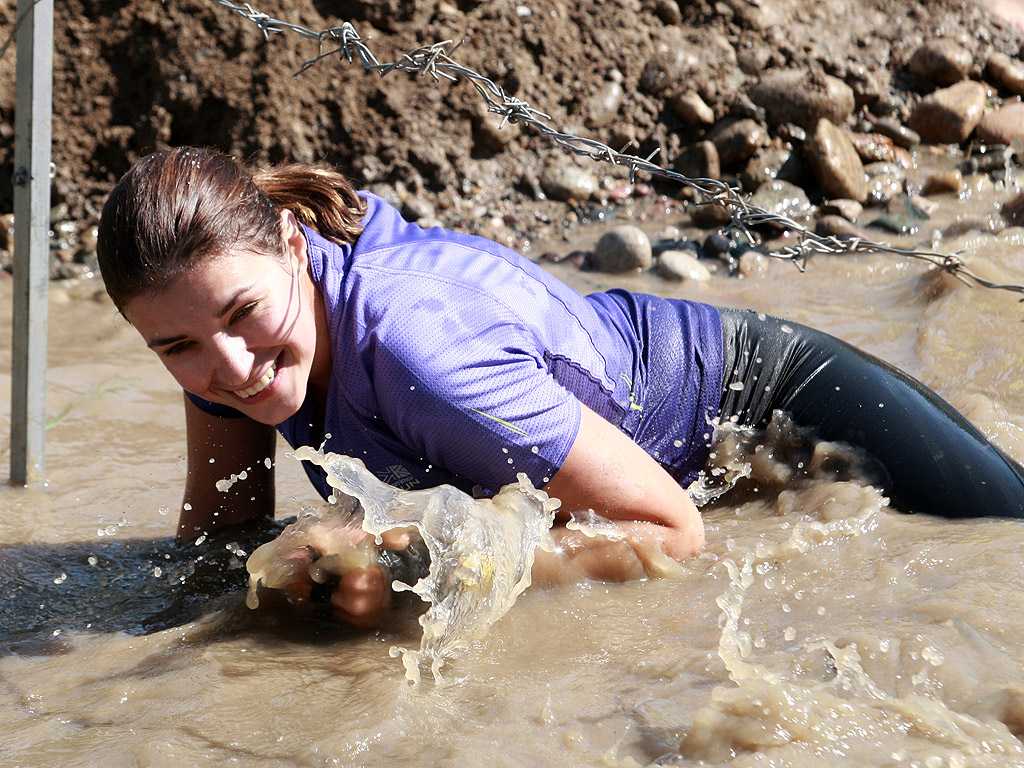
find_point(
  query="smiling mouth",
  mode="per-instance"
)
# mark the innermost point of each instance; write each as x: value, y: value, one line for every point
x: 260, y: 385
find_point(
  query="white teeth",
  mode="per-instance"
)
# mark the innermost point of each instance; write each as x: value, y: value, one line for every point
x: 260, y: 385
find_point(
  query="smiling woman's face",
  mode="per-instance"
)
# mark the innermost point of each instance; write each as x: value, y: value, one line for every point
x: 240, y: 329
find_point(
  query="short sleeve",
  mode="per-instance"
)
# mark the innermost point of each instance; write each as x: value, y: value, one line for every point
x: 478, y: 401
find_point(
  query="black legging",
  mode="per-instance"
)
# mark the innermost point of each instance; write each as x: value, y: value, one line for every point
x: 936, y: 461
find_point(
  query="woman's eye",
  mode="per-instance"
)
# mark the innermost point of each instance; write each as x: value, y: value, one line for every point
x: 243, y: 312
x: 176, y: 349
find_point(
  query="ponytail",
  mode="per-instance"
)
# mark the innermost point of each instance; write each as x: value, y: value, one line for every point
x: 321, y: 198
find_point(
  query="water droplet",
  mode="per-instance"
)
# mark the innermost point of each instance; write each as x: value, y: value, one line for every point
x: 786, y: 328
x: 677, y: 443
x: 164, y: 510
x: 201, y: 539
x: 736, y: 386
x: 158, y: 571
x: 412, y: 388
x: 186, y: 506
x: 60, y: 579
x: 535, y: 449
x: 268, y: 463
x: 92, y: 560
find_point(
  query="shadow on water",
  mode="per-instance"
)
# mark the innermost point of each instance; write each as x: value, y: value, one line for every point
x: 136, y: 586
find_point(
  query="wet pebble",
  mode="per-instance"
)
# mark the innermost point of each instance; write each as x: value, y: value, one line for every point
x: 622, y: 249
x: 709, y: 215
x: 603, y: 107
x: 567, y: 182
x: 874, y: 147
x: 793, y: 96
x: 942, y: 61
x: 1006, y: 72
x: 699, y: 161
x: 835, y: 163
x: 1013, y: 210
x: 753, y: 263
x: 850, y: 210
x: 682, y: 265
x: 738, y: 140
x: 944, y: 182
x: 776, y: 161
x: 1002, y: 125
x: 782, y: 198
x: 833, y: 225
x: 885, y: 181
x: 950, y: 115
x: 899, y: 133
x: 692, y: 109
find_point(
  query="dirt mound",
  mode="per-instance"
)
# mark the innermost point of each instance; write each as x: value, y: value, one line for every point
x: 130, y: 78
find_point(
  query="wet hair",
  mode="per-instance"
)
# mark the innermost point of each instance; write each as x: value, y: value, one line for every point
x: 175, y: 208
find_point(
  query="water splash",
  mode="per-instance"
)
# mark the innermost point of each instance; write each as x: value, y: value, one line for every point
x: 481, y: 550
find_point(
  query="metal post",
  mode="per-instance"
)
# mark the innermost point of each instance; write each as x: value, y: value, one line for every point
x: 32, y: 135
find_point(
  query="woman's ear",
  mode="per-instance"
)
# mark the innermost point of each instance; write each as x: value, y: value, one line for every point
x: 294, y: 240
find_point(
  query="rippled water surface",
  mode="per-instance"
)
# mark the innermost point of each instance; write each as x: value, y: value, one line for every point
x: 819, y: 628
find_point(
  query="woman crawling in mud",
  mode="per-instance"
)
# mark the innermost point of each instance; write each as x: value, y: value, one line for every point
x: 285, y: 299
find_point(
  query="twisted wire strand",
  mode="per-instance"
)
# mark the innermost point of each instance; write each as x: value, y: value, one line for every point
x: 435, y: 62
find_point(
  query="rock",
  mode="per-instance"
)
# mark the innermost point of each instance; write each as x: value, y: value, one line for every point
x: 710, y: 215
x: 943, y: 61
x: 793, y: 96
x: 1013, y: 210
x: 949, y: 115
x: 1002, y: 125
x: 667, y: 68
x: 901, y: 135
x: 668, y: 11
x: 782, y: 199
x: 489, y: 134
x: 776, y: 161
x: 603, y: 107
x: 1006, y: 72
x: 874, y: 147
x: 885, y: 181
x: 835, y: 163
x: 416, y: 208
x: 681, y: 265
x: 699, y: 161
x: 691, y: 109
x: 848, y: 209
x: 738, y: 140
x: 567, y: 182
x: 944, y: 182
x: 753, y: 264
x: 832, y: 225
x: 622, y: 249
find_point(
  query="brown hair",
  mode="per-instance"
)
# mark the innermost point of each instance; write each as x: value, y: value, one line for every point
x: 176, y: 207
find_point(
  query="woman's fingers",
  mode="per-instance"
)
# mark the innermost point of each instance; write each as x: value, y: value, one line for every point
x: 362, y: 598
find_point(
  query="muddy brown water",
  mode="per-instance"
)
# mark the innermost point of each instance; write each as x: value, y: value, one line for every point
x: 820, y: 628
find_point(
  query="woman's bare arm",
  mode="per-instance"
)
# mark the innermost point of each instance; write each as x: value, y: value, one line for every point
x: 610, y: 474
x: 217, y: 449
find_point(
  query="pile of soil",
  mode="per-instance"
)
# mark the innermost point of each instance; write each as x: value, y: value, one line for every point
x: 132, y: 78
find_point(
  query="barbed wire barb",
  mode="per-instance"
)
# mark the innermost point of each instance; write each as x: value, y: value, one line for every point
x: 436, y: 62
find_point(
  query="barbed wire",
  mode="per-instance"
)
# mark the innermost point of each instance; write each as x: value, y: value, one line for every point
x: 435, y: 61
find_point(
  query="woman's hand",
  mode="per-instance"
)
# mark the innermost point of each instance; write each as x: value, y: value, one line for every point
x: 655, y: 520
x: 360, y: 597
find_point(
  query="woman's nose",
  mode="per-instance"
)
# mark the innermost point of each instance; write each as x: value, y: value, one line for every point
x: 233, y: 360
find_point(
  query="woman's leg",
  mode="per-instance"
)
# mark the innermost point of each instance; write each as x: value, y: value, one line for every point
x: 937, y: 461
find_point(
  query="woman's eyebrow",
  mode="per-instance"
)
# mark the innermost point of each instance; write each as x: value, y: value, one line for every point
x: 234, y: 300
x: 227, y: 308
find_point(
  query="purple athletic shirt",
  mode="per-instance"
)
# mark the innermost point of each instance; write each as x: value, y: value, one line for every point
x: 457, y: 360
